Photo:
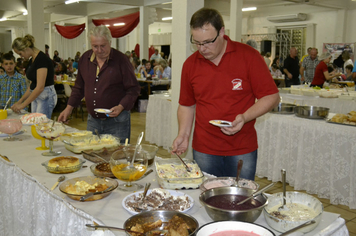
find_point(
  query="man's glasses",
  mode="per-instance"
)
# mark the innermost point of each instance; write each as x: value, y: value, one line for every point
x: 203, y: 44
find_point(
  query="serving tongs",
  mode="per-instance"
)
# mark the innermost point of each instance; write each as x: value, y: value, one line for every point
x: 255, y: 194
x: 189, y: 169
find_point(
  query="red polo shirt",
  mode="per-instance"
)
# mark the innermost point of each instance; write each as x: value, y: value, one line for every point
x: 223, y: 92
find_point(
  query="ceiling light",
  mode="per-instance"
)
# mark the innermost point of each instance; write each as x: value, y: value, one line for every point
x: 107, y: 25
x: 3, y: 19
x: 249, y: 9
x: 24, y: 12
x: 167, y: 18
x: 171, y: 2
x: 71, y: 1
x: 119, y: 24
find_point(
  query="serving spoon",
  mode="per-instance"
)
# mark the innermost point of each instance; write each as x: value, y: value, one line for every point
x: 283, y: 207
x: 7, y: 103
x: 60, y: 179
x: 131, y: 166
x: 255, y: 194
x: 239, y: 167
x: 95, y: 226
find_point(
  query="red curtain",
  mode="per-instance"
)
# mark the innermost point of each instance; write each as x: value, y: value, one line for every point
x: 137, y: 50
x: 151, y: 51
x: 70, y: 32
x: 131, y: 21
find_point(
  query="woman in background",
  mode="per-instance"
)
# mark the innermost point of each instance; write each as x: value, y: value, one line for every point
x: 322, y: 73
x: 41, y: 93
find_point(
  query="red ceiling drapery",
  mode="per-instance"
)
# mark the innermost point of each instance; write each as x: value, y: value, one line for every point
x: 151, y: 51
x: 70, y: 32
x: 137, y: 50
x: 131, y: 21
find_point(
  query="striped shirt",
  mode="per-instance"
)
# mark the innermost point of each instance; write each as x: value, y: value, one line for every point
x: 309, y: 66
x: 14, y: 86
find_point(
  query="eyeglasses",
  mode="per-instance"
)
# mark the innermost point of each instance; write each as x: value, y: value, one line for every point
x: 203, y: 44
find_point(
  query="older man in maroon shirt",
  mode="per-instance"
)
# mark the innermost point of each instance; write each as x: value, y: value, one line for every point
x: 107, y: 80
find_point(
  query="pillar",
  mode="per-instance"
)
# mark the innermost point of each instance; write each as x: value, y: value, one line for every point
x: 144, y: 23
x: 236, y: 20
x: 35, y: 22
x: 182, y: 10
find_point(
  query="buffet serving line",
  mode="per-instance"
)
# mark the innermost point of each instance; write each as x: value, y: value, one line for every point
x: 318, y: 156
x: 336, y: 105
x: 29, y: 208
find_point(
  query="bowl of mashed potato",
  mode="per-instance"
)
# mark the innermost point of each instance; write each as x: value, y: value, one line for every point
x: 300, y: 207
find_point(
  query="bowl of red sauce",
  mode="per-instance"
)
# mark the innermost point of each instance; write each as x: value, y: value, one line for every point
x: 220, y: 204
x: 230, y: 228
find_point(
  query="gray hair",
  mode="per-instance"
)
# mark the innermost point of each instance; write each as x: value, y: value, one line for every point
x: 163, y: 63
x: 324, y: 56
x: 101, y: 31
x: 252, y: 43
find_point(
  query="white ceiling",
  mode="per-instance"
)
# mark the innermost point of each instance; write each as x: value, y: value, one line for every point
x: 56, y: 10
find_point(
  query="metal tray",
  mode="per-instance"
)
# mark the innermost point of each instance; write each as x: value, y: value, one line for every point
x: 329, y: 121
x: 284, y: 108
x: 311, y: 112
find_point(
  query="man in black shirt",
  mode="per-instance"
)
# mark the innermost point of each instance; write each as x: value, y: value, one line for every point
x: 291, y: 68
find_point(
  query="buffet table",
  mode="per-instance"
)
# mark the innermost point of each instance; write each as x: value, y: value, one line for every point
x: 155, y: 82
x: 158, y: 120
x: 319, y: 157
x: 336, y: 105
x: 28, y: 207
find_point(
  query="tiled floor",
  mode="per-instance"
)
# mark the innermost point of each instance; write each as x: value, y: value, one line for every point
x: 138, y: 122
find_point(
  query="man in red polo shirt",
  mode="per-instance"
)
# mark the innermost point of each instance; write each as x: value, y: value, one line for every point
x: 221, y: 81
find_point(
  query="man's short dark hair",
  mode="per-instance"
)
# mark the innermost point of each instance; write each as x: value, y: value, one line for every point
x: 46, y: 46
x: 207, y: 16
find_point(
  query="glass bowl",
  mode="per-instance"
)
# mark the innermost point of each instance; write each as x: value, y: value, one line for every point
x: 102, y: 172
x: 171, y: 174
x: 226, y: 182
x: 66, y: 185
x: 62, y: 169
x: 93, y: 143
x: 151, y: 150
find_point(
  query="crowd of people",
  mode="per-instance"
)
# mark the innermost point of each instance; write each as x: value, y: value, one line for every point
x: 311, y: 69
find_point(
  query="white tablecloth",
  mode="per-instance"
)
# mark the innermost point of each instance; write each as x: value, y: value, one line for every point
x: 319, y: 157
x: 156, y: 81
x: 158, y: 120
x: 336, y: 105
x: 27, y: 207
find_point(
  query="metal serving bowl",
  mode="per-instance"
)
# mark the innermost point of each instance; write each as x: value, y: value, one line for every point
x: 282, y: 225
x: 165, y: 216
x: 311, y: 112
x: 284, y: 108
x: 218, y: 214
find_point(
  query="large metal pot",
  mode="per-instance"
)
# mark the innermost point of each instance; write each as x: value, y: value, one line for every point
x: 282, y: 225
x: 218, y: 214
x: 311, y: 112
x: 284, y: 108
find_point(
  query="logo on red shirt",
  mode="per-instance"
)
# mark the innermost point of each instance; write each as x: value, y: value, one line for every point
x: 236, y: 84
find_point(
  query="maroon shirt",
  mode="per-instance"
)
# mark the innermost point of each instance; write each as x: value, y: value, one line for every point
x: 114, y: 84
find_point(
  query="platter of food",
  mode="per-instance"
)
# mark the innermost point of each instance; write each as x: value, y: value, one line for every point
x: 102, y: 169
x: 33, y: 118
x: 158, y: 199
x: 93, y: 143
x: 96, y: 156
x: 63, y: 164
x: 343, y: 119
x: 78, y: 187
x: 171, y: 174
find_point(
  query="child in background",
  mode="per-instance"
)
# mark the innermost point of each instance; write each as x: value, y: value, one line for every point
x: 12, y: 83
x: 148, y: 70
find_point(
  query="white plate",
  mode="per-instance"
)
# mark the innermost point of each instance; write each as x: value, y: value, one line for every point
x: 172, y: 192
x: 6, y: 135
x: 221, y: 123
x: 102, y: 110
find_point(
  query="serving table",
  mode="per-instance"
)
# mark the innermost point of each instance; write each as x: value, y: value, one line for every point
x: 336, y: 105
x: 158, y: 120
x: 155, y: 82
x: 319, y: 157
x: 28, y: 207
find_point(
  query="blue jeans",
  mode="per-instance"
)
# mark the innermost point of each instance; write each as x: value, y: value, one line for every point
x: 45, y: 102
x: 221, y: 166
x: 119, y: 126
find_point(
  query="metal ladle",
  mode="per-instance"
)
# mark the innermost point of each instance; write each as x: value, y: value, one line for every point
x: 283, y: 207
x: 239, y: 167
